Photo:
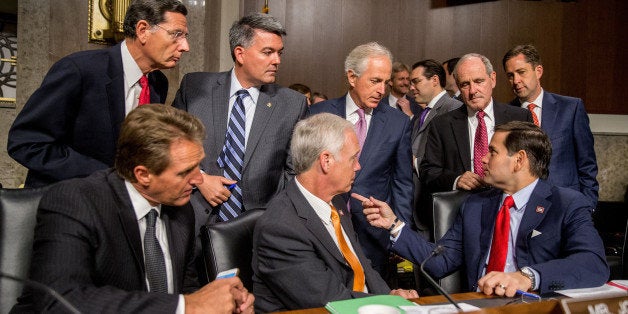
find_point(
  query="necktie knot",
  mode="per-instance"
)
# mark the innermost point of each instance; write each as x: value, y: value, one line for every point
x: 151, y: 217
x: 145, y: 92
x: 242, y: 93
x: 144, y: 81
x: 508, y: 202
x: 360, y: 113
x: 531, y: 106
x: 480, y: 114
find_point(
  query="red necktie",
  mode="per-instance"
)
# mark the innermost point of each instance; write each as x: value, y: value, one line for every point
x: 499, y: 248
x: 535, y: 118
x: 145, y: 93
x: 480, y: 144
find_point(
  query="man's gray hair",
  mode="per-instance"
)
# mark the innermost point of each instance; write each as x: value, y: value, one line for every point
x: 242, y: 31
x: 313, y: 135
x: 487, y: 63
x: 359, y: 56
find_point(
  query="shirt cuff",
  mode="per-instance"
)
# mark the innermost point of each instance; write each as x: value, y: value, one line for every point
x: 453, y: 188
x: 181, y: 305
x: 537, y: 279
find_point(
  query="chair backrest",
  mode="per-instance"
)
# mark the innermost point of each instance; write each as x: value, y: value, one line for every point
x: 446, y: 206
x: 228, y: 245
x: 18, y: 209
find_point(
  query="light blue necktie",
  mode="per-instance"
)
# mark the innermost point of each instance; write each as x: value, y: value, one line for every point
x: 231, y: 158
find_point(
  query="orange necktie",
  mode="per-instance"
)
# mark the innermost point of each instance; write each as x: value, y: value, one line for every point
x: 535, y: 118
x: 358, y: 271
x: 145, y: 93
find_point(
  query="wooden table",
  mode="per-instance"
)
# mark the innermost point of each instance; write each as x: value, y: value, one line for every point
x: 549, y: 306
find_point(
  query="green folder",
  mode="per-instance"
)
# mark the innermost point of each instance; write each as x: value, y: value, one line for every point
x: 351, y: 306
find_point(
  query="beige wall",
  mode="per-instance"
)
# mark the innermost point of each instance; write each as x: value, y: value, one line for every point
x: 581, y: 44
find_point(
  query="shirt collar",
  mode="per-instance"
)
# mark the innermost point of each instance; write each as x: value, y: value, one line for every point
x: 140, y: 204
x: 538, y: 101
x: 322, y: 208
x: 432, y: 102
x: 488, y: 111
x: 236, y: 86
x: 352, y: 107
x: 522, y: 196
x: 132, y: 71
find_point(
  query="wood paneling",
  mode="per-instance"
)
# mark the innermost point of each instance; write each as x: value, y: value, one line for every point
x: 580, y: 42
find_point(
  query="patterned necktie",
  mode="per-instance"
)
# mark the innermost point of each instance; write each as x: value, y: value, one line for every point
x: 499, y: 248
x: 354, y: 263
x: 423, y: 115
x: 360, y: 128
x: 480, y: 145
x: 154, y: 257
x: 231, y: 158
x: 535, y: 118
x: 145, y: 93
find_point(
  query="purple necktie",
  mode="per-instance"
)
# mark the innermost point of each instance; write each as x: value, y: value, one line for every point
x: 423, y: 115
x: 360, y: 128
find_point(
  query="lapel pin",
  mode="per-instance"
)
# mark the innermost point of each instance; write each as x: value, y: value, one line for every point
x: 540, y: 209
x: 269, y: 105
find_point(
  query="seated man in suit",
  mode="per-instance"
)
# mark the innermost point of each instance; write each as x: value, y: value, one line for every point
x: 457, y: 140
x: 122, y: 240
x: 70, y: 124
x: 305, y: 251
x: 541, y: 238
x: 563, y: 118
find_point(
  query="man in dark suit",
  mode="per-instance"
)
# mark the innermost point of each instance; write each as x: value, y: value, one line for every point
x: 428, y: 86
x: 69, y: 126
x: 385, y: 155
x: 541, y: 239
x: 122, y: 240
x: 563, y: 118
x: 450, y: 162
x: 399, y: 86
x: 305, y: 251
x: 271, y: 111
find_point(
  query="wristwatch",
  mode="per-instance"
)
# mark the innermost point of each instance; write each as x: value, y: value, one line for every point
x: 527, y: 271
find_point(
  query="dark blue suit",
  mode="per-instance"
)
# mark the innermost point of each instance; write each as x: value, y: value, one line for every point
x: 386, y: 173
x: 573, y: 164
x: 70, y: 125
x: 566, y: 250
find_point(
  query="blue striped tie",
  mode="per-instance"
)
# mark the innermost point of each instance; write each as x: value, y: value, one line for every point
x: 232, y: 157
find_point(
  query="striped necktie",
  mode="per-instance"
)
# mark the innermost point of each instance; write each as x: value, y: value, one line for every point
x: 231, y: 158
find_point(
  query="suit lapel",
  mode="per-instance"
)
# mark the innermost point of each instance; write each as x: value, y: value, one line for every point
x: 263, y: 112
x: 220, y: 110
x: 549, y: 114
x: 534, y: 213
x: 490, y: 207
x: 460, y: 129
x: 114, y: 84
x: 374, y: 135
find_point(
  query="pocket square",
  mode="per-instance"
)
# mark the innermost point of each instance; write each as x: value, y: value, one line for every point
x: 535, y: 233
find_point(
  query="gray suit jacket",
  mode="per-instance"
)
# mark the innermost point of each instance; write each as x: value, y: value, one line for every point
x: 267, y: 162
x: 419, y: 135
x: 296, y: 262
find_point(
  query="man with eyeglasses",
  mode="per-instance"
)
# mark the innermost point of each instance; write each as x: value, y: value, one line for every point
x: 69, y: 126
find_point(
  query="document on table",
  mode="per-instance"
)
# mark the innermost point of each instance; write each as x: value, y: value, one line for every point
x: 615, y: 288
x: 438, y: 309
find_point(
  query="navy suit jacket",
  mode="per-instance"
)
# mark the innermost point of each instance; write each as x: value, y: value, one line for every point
x: 87, y: 247
x: 556, y: 238
x: 296, y: 262
x: 414, y: 106
x: 386, y: 173
x: 573, y: 164
x: 448, y: 152
x: 69, y: 126
x: 267, y: 162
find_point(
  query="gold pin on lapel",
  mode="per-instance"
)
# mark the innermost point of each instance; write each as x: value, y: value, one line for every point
x: 269, y: 105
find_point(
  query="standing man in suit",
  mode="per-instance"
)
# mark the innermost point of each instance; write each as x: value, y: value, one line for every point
x: 249, y: 122
x: 399, y: 86
x: 69, y: 126
x: 525, y: 234
x: 305, y: 251
x: 450, y: 86
x: 428, y: 86
x: 563, y: 118
x: 458, y: 140
x: 384, y: 135
x: 122, y: 240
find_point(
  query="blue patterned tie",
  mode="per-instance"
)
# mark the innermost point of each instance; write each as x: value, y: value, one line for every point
x: 154, y: 257
x: 232, y: 157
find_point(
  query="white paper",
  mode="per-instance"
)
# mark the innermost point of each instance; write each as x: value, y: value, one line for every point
x: 604, y: 291
x: 438, y: 309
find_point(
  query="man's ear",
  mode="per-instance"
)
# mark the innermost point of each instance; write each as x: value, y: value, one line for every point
x: 351, y: 78
x: 142, y: 31
x: 238, y: 52
x: 521, y: 160
x: 325, y: 159
x: 142, y: 175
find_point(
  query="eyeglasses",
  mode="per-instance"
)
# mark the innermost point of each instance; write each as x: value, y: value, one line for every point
x: 175, y: 35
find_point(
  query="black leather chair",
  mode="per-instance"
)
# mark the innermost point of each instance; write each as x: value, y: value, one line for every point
x: 446, y: 206
x: 228, y: 245
x: 18, y: 208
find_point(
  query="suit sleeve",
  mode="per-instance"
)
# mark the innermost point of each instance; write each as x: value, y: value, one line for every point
x: 585, y: 154
x: 63, y: 259
x: 38, y: 137
x: 582, y: 261
x: 403, y: 186
x: 289, y: 168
